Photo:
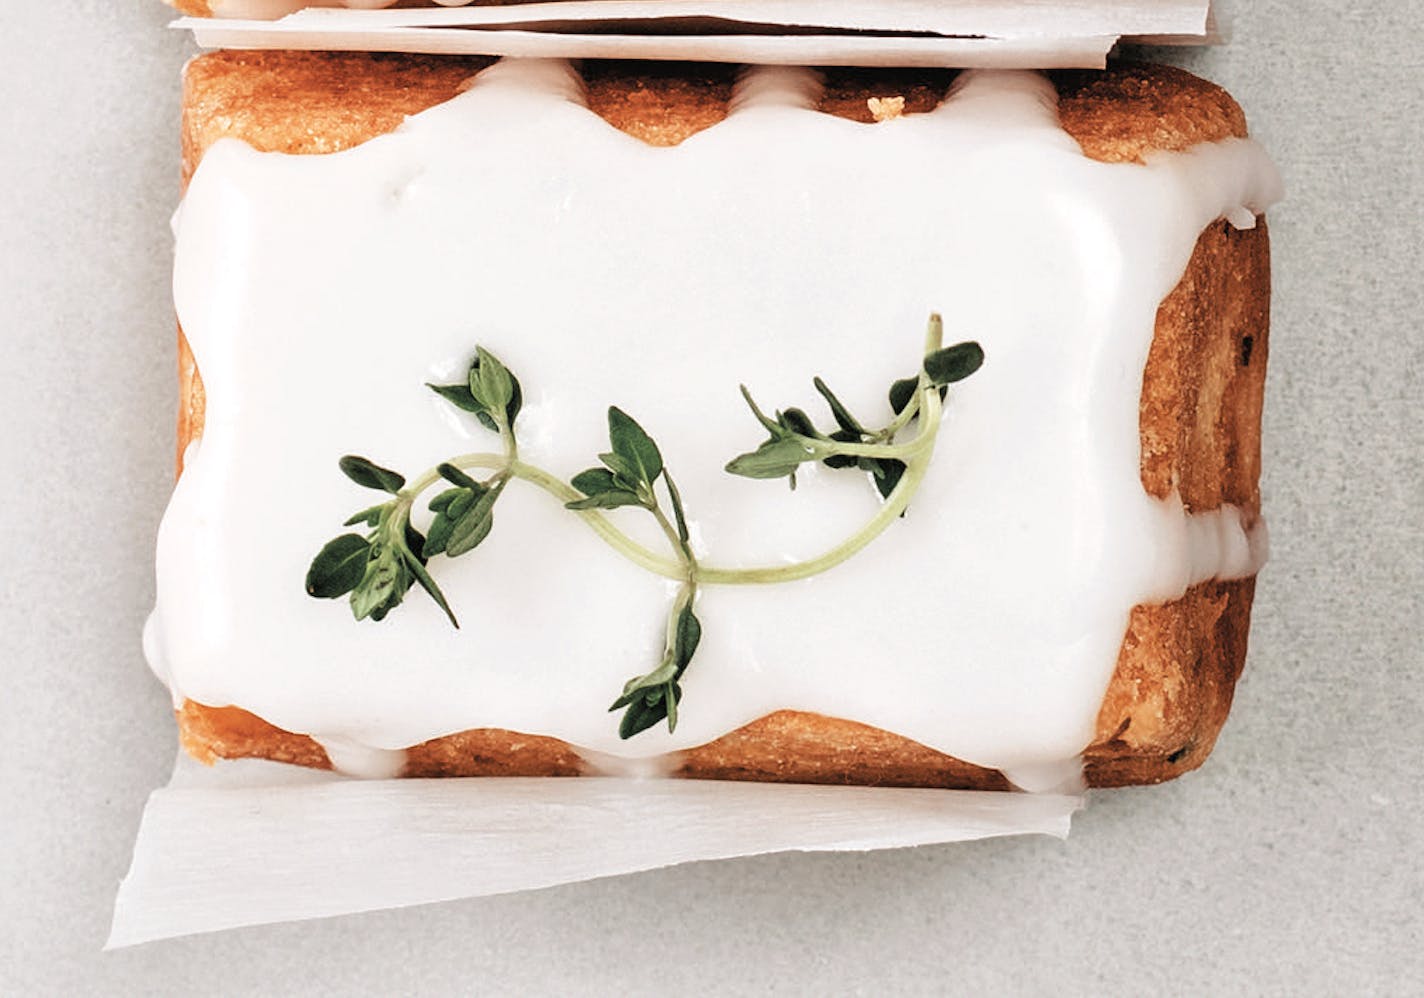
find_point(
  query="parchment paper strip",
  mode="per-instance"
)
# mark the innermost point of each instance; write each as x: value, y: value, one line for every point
x: 820, y: 50
x: 1044, y: 34
x: 988, y: 18
x: 252, y: 843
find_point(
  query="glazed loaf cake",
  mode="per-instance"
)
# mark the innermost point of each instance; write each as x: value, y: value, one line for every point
x: 1198, y: 413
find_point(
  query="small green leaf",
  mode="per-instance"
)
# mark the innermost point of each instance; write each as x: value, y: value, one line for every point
x: 473, y: 527
x: 594, y: 481
x: 626, y: 473
x: 798, y: 422
x: 687, y: 636
x: 843, y: 418
x: 890, y: 473
x: 369, y: 475
x: 455, y: 476
x: 773, y: 459
x: 491, y: 384
x: 339, y: 567
x: 632, y: 443
x: 679, y: 517
x: 612, y: 499
x: 954, y: 363
x: 442, y: 501
x: 383, y: 585
x: 414, y: 541
x: 843, y: 460
x: 771, y: 425
x: 457, y: 395
x: 370, y: 516
x: 469, y: 534
x: 901, y: 392
x: 671, y: 694
x: 516, y: 402
x: 466, y: 500
x: 646, y: 706
x: 428, y: 584
x: 439, y: 535
x: 641, y: 716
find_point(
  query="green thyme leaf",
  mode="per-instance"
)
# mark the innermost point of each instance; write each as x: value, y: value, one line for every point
x: 370, y: 516
x: 772, y: 426
x: 796, y: 421
x: 901, y: 392
x: 369, y: 475
x: 672, y: 693
x: 491, y: 384
x: 634, y: 446
x: 473, y: 526
x: 466, y: 500
x: 457, y: 395
x: 843, y: 460
x: 594, y: 481
x: 679, y: 517
x: 383, y: 585
x: 414, y: 540
x: 687, y: 636
x: 843, y: 418
x: 612, y: 499
x: 649, y: 699
x: 440, y: 529
x: 455, y: 476
x: 627, y: 474
x: 442, y: 501
x: 428, y: 584
x: 890, y: 471
x: 954, y: 363
x: 463, y: 396
x: 649, y: 709
x: 773, y: 459
x: 338, y: 567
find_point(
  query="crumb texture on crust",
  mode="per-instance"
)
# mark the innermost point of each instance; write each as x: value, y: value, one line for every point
x: 793, y: 747
x: 1200, y: 405
x: 212, y: 733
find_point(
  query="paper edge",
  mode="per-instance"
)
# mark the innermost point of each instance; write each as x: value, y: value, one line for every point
x: 826, y: 50
x: 1049, y: 815
x: 1002, y: 19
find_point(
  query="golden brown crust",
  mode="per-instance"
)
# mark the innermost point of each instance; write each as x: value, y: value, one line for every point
x: 1200, y: 405
x: 212, y: 733
x: 1121, y: 115
x: 795, y: 747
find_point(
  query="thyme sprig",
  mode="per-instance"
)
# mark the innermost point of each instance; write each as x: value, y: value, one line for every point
x: 794, y: 439
x: 631, y: 470
x: 376, y: 570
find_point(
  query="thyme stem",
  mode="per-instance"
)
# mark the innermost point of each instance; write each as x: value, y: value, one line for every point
x: 687, y: 567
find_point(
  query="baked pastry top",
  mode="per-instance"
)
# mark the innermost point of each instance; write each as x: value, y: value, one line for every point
x: 1197, y: 410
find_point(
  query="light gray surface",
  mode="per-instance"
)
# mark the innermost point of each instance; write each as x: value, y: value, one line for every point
x: 1290, y: 865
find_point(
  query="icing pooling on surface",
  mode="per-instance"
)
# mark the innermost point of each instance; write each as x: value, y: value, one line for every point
x: 319, y: 294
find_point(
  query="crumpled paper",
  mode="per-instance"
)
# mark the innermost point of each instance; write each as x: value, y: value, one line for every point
x: 251, y: 842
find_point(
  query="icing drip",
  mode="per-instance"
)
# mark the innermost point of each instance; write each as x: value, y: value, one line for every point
x: 363, y: 761
x: 319, y: 294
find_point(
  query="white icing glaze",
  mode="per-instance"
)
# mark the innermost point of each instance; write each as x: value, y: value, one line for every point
x: 355, y: 759
x: 320, y: 293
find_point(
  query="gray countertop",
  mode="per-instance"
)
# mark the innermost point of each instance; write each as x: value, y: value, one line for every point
x: 1291, y: 864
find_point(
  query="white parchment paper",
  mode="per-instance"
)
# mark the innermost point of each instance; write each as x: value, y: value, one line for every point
x: 984, y: 33
x: 248, y: 842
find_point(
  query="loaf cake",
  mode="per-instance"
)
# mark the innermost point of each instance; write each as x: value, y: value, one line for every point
x: 1066, y: 597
